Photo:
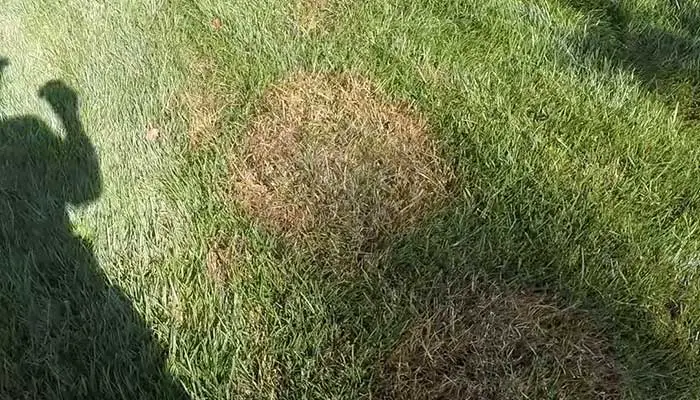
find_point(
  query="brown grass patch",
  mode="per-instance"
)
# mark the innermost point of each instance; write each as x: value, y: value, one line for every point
x: 218, y: 262
x: 203, y: 104
x: 310, y: 14
x: 225, y: 259
x: 496, y: 345
x: 328, y: 161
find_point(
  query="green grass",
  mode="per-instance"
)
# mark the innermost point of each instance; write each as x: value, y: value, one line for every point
x: 572, y: 127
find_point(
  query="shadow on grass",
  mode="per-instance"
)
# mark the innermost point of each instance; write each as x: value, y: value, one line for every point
x: 663, y: 49
x: 528, y: 232
x: 459, y: 248
x: 65, y: 332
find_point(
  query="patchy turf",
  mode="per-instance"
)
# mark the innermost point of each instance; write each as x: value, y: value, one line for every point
x: 201, y: 103
x: 548, y: 144
x: 226, y: 259
x: 487, y: 342
x: 310, y: 14
x: 331, y: 163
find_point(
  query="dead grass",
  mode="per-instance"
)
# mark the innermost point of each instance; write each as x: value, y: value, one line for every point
x: 203, y: 105
x: 330, y: 163
x: 491, y: 344
x: 310, y: 14
x: 218, y: 261
x: 226, y: 257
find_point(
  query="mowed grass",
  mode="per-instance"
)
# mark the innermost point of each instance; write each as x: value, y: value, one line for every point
x: 563, y: 263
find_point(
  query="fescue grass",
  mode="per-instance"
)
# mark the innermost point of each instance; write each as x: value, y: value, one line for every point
x: 570, y: 129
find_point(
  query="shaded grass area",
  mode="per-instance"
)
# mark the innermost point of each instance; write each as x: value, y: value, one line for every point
x: 658, y: 41
x: 569, y: 127
x: 74, y: 219
x: 65, y: 331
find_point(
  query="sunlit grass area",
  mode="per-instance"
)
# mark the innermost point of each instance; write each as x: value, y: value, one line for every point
x: 342, y: 199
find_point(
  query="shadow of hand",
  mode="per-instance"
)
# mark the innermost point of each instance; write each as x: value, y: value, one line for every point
x: 62, y: 98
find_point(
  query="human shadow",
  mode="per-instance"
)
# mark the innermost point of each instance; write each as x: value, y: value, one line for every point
x: 665, y: 57
x: 65, y: 332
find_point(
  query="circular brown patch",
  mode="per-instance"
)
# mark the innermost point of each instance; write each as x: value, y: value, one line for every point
x: 495, y: 345
x: 328, y: 161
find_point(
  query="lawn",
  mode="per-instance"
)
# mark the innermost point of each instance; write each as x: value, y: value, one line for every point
x: 341, y: 199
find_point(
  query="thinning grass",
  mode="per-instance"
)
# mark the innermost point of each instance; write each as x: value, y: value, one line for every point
x: 487, y: 342
x: 334, y: 167
x: 569, y: 127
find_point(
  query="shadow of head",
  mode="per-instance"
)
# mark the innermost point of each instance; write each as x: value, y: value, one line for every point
x: 78, y: 161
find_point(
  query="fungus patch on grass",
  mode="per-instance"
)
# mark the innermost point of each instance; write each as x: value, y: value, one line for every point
x: 331, y: 163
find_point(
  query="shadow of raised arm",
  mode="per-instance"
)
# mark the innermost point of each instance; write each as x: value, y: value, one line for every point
x: 82, y: 181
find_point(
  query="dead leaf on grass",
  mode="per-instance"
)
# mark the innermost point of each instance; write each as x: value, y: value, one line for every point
x: 216, y: 23
x: 152, y: 134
